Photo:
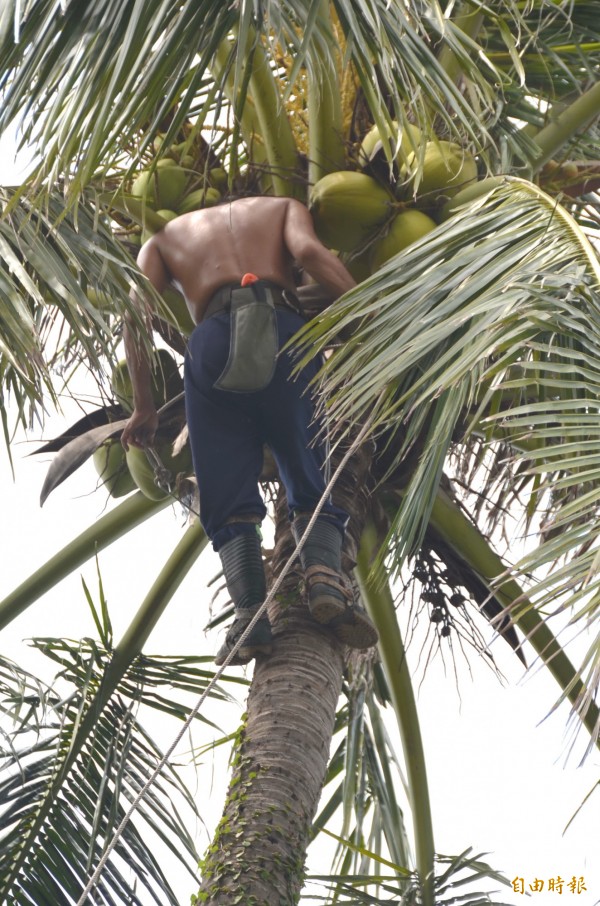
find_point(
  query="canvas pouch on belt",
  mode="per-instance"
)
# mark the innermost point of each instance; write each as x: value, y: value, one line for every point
x: 253, y: 340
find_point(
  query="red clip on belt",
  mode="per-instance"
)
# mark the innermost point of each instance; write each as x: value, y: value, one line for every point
x: 249, y: 279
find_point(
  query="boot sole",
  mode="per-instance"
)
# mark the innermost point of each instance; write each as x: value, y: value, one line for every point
x: 355, y: 630
x: 352, y: 627
x: 325, y: 608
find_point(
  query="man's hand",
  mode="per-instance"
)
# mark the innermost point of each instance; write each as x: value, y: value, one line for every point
x: 140, y: 429
x: 313, y: 298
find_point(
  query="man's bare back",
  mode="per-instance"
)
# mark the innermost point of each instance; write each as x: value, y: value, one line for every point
x: 204, y: 250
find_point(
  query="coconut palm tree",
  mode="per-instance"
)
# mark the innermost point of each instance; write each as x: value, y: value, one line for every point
x: 466, y: 367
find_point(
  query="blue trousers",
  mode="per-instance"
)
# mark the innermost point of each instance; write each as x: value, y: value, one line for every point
x: 228, y: 430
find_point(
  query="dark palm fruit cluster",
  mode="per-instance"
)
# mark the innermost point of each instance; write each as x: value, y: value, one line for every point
x: 440, y: 590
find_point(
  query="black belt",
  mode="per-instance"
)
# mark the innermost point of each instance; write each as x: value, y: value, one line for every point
x: 280, y: 298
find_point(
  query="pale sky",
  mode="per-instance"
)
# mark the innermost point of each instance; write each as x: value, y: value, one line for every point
x: 499, y: 778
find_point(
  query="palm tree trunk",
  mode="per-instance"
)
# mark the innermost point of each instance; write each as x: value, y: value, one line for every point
x: 257, y: 855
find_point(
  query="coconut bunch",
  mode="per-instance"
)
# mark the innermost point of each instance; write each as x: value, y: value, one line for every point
x: 176, y: 183
x: 179, y: 182
x: 370, y: 214
x: 183, y: 175
x: 176, y: 179
x: 121, y: 472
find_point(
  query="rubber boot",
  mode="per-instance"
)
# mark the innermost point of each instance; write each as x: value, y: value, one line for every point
x: 330, y: 601
x: 245, y: 579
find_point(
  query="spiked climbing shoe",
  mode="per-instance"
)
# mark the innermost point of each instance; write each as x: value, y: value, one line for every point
x: 321, y: 557
x: 330, y: 601
x: 347, y: 619
x: 355, y: 628
x: 259, y: 640
x: 328, y: 597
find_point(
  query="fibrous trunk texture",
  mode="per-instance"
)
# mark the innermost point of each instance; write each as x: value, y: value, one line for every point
x: 258, y: 852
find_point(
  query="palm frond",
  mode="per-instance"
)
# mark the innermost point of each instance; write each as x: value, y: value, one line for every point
x: 97, y: 678
x: 378, y: 599
x: 90, y: 793
x: 122, y: 519
x: 554, y: 49
x: 92, y: 75
x: 442, y: 332
x: 98, y: 83
x: 463, y: 537
x: 48, y: 260
x: 492, y: 331
x: 365, y: 775
x: 454, y: 881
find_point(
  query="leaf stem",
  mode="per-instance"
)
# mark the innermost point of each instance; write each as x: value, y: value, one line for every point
x: 326, y: 147
x: 376, y: 593
x: 565, y: 125
x: 108, y: 528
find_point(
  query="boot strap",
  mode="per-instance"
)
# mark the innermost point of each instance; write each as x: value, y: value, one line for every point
x: 245, y: 614
x: 327, y: 576
x: 242, y: 616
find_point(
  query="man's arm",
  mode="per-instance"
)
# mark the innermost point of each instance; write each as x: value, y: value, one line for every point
x: 141, y: 427
x: 304, y: 245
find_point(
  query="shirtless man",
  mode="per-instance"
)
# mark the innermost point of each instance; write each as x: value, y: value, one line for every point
x: 234, y: 264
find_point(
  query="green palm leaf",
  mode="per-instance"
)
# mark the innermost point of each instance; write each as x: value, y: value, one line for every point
x: 100, y: 73
x: 91, y: 792
x: 442, y: 331
x: 366, y: 772
x: 486, y: 331
x: 98, y: 86
x: 455, y: 878
x: 48, y: 259
x: 560, y: 52
x: 97, y: 678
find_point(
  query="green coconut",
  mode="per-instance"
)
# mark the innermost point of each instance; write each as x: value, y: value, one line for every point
x: 359, y: 265
x: 447, y: 169
x: 142, y: 471
x: 218, y: 178
x: 406, y: 228
x: 121, y: 386
x: 150, y: 230
x: 142, y: 186
x: 372, y: 143
x: 171, y: 180
x: 161, y: 187
x: 166, y: 214
x: 177, y: 313
x: 187, y: 161
x: 347, y: 207
x: 179, y: 151
x: 109, y: 460
x: 471, y: 193
x: 158, y: 141
x: 200, y: 198
x: 166, y: 381
x: 99, y: 299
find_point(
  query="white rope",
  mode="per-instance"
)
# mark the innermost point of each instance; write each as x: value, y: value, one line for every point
x: 273, y: 591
